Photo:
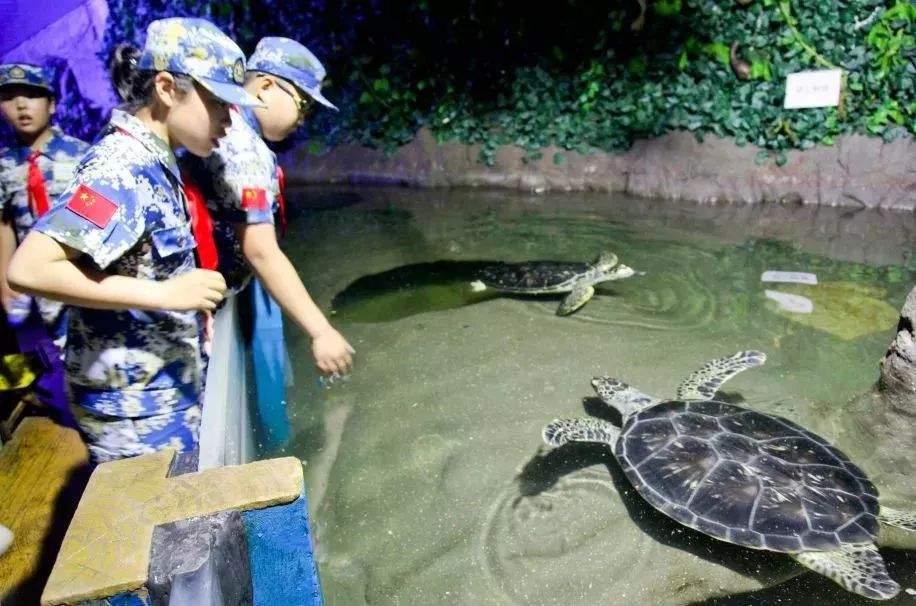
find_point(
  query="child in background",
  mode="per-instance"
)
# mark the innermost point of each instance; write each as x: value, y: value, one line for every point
x: 118, y: 247
x: 32, y: 173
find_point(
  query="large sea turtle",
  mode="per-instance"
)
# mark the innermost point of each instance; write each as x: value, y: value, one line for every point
x: 745, y: 477
x: 547, y: 277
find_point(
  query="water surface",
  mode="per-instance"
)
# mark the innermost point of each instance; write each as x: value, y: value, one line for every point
x: 425, y: 471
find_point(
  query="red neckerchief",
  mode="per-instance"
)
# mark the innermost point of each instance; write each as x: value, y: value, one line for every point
x: 201, y: 225
x: 281, y: 201
x: 38, y: 194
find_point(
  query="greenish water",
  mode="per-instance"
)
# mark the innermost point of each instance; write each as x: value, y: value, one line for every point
x: 425, y: 472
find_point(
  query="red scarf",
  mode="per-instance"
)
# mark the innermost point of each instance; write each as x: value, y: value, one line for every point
x: 281, y: 202
x: 38, y: 194
x: 201, y: 226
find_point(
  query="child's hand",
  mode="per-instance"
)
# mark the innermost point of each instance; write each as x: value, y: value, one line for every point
x: 200, y: 289
x: 332, y: 352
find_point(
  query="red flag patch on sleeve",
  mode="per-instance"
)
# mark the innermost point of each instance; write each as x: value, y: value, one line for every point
x: 254, y: 198
x: 92, y: 206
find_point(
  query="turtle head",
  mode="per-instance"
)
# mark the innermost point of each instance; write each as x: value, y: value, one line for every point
x: 608, y: 267
x: 618, y: 272
x: 614, y: 392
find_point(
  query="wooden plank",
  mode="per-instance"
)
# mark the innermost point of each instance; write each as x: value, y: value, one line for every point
x: 43, y: 470
x: 107, y: 547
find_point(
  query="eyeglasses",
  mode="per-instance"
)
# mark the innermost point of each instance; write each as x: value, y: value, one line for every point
x: 302, y: 104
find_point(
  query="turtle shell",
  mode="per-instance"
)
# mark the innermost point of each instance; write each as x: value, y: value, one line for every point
x: 746, y: 477
x: 532, y: 276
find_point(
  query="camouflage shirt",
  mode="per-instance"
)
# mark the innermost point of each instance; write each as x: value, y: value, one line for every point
x: 126, y: 213
x: 239, y: 182
x: 57, y: 160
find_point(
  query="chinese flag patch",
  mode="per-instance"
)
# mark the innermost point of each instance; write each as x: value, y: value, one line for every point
x: 254, y: 198
x: 92, y: 206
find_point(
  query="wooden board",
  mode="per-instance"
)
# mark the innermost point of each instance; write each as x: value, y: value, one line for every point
x: 43, y: 470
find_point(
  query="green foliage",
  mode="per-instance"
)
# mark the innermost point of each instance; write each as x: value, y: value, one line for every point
x: 576, y: 76
x: 682, y: 80
x: 666, y: 8
x: 892, y: 37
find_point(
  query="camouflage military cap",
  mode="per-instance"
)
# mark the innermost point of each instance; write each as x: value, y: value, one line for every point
x: 197, y: 48
x: 291, y: 61
x: 23, y: 73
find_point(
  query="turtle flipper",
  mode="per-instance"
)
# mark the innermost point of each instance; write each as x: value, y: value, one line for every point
x: 578, y: 297
x: 858, y: 568
x: 561, y: 431
x: 900, y: 519
x: 705, y: 382
x: 627, y: 400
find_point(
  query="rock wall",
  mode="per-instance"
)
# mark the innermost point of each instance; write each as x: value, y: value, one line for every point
x: 857, y: 171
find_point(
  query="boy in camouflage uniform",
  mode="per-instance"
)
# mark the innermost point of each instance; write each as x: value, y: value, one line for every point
x: 241, y: 183
x: 32, y: 173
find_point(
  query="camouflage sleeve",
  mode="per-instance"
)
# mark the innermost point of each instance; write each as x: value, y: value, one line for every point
x: 246, y: 193
x: 100, y: 213
x: 258, y: 203
x: 244, y: 179
x: 65, y: 153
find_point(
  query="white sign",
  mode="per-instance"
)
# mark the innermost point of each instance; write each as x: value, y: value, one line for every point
x: 794, y: 303
x: 790, y: 277
x: 819, y: 88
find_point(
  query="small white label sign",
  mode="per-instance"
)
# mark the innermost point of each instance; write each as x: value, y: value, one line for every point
x: 794, y: 303
x: 790, y: 277
x: 819, y: 88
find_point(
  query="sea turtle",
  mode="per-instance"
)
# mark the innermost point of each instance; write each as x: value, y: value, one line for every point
x: 546, y: 277
x: 745, y: 477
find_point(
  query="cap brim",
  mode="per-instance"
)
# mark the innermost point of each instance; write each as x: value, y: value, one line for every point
x: 230, y: 93
x: 317, y: 96
x: 14, y: 82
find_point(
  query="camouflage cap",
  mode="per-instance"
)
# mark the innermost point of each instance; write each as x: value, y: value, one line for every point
x: 291, y: 61
x: 197, y: 48
x: 24, y: 73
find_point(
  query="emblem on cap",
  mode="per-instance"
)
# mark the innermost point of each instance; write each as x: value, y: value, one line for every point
x: 17, y: 72
x: 238, y: 71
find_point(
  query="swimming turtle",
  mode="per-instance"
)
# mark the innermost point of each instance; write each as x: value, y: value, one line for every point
x: 546, y: 277
x: 745, y: 477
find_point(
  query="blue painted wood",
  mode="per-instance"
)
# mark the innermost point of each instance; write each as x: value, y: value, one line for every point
x: 268, y: 351
x: 283, y: 568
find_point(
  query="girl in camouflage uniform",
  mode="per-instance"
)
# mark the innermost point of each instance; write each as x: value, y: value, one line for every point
x: 118, y: 247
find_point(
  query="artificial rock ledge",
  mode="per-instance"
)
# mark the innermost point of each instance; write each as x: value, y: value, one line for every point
x: 857, y: 171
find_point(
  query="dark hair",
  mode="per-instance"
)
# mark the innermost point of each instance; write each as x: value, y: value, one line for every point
x: 133, y: 85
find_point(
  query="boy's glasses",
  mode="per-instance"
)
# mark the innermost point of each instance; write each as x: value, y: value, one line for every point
x: 303, y: 105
